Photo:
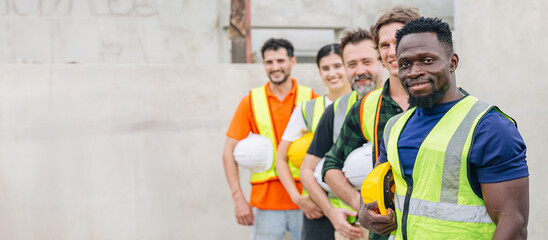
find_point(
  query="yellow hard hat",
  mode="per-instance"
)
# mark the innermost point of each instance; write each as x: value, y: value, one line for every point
x: 297, y: 149
x: 379, y: 186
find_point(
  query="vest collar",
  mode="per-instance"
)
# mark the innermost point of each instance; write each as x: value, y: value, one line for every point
x: 293, y: 91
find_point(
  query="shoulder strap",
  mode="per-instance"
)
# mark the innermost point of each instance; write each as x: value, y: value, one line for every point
x: 340, y: 108
x: 308, y: 113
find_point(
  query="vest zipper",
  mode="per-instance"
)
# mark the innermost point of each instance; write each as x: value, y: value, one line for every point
x: 406, y: 208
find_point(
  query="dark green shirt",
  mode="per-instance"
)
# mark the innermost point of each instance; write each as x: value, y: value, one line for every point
x: 351, y: 136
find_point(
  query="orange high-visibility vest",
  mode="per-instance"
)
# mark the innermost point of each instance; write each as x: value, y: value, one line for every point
x: 265, y: 125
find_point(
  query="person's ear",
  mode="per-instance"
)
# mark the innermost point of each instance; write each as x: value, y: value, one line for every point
x: 454, y: 62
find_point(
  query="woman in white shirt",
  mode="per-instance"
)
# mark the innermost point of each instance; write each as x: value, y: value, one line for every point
x: 333, y: 75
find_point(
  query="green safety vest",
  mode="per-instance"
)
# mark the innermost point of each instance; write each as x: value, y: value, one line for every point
x: 343, y: 103
x: 371, y: 103
x: 312, y: 112
x: 440, y: 204
x: 264, y: 122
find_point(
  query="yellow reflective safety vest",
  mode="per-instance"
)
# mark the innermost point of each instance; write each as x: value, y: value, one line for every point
x: 341, y: 106
x: 265, y: 125
x: 440, y: 203
x: 371, y: 103
x: 312, y: 112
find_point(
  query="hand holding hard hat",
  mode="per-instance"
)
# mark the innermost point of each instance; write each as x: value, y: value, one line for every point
x: 379, y: 186
x: 297, y: 149
x: 356, y: 167
x: 370, y: 218
x: 358, y: 164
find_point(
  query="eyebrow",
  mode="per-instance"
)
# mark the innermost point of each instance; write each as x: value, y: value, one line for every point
x: 421, y: 54
x: 381, y: 41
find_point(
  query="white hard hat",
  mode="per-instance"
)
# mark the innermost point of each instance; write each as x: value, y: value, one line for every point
x: 358, y: 165
x: 318, y: 175
x: 254, y: 153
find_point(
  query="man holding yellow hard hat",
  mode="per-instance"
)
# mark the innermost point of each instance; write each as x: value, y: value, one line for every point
x: 459, y: 164
x: 366, y: 119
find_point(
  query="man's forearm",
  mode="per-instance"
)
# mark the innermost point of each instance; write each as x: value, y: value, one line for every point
x: 311, y: 185
x: 231, y: 167
x: 284, y: 174
x: 242, y: 210
x: 342, y: 188
x: 508, y: 206
x: 511, y: 228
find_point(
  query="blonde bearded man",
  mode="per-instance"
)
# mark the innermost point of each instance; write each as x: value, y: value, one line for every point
x: 364, y: 71
x: 366, y: 120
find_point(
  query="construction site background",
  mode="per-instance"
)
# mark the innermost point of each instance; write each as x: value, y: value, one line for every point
x: 113, y: 113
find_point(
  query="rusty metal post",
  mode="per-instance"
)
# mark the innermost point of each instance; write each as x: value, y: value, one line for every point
x: 239, y: 31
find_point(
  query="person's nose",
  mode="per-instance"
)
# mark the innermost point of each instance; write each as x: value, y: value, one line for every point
x: 275, y: 66
x: 415, y: 71
x: 361, y: 69
x: 331, y: 73
x: 392, y: 51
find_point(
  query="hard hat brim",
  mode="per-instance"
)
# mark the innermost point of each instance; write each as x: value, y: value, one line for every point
x: 378, y: 186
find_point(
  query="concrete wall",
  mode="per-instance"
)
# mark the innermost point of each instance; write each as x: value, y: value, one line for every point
x: 502, y: 47
x: 112, y: 31
x: 167, y: 31
x: 120, y: 152
x: 311, y: 24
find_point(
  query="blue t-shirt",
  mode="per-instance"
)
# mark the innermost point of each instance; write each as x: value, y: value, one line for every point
x: 498, y: 151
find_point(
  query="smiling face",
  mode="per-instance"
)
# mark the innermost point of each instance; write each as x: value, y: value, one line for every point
x: 278, y: 65
x: 362, y: 66
x: 332, y: 72
x: 426, y: 69
x: 387, y: 46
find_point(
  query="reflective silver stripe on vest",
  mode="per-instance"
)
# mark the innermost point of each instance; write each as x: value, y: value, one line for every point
x: 389, y: 125
x: 309, y: 113
x: 446, y: 211
x: 453, y: 153
x: 340, y: 115
x: 397, y: 203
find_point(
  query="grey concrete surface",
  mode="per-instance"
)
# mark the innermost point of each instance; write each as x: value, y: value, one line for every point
x: 112, y: 31
x: 120, y: 152
x: 168, y: 31
x: 313, y: 24
x: 502, y: 47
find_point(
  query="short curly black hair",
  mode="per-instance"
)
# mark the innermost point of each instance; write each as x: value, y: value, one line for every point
x: 426, y: 24
x: 275, y: 44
